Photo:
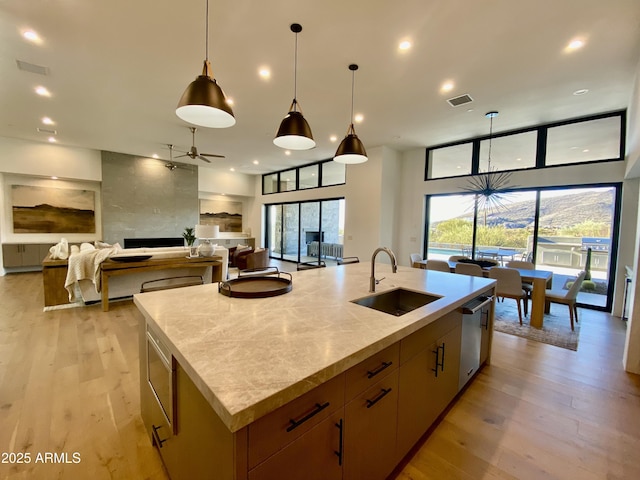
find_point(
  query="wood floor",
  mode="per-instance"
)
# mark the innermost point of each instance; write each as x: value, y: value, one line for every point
x: 69, y: 383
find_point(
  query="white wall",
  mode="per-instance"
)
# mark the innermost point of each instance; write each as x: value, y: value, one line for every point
x: 633, y: 129
x: 29, y: 163
x: 631, y: 358
x: 213, y: 181
x: 47, y: 160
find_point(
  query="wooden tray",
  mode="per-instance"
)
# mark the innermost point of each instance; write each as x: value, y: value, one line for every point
x: 256, y: 286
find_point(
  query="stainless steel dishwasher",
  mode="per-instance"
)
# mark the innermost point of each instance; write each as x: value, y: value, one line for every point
x: 475, y: 318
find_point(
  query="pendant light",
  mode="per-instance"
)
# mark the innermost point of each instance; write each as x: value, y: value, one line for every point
x: 351, y: 149
x: 294, y: 132
x: 203, y: 102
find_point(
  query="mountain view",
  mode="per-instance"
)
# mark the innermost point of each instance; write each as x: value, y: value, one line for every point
x: 555, y: 212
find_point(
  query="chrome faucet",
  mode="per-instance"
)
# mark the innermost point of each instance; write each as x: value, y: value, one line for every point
x: 394, y: 266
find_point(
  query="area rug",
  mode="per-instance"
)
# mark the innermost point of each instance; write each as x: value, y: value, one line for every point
x: 556, y: 329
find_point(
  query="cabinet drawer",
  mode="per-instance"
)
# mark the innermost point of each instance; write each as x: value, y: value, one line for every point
x: 272, y: 432
x: 316, y: 455
x: 419, y: 340
x: 366, y: 373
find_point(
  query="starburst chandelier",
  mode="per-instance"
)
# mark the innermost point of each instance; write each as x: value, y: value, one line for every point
x: 490, y: 187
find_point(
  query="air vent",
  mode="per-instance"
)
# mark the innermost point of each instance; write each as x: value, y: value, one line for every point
x: 461, y: 100
x: 32, y: 67
x: 48, y: 132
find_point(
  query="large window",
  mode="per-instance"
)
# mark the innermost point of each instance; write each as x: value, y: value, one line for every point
x: 314, y: 175
x: 594, y: 139
x: 561, y: 230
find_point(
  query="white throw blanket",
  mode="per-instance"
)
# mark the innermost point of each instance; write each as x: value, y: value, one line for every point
x: 85, y: 265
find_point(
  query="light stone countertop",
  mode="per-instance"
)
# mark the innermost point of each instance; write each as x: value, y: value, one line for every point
x: 250, y: 356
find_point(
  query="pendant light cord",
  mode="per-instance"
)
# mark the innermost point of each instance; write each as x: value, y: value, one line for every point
x: 353, y: 82
x: 206, y: 29
x: 490, y: 137
x: 295, y: 72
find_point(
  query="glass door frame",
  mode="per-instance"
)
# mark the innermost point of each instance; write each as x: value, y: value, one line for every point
x: 615, y: 229
x: 299, y: 203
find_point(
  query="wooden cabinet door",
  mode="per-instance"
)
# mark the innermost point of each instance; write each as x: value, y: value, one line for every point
x: 315, y: 455
x: 12, y: 255
x: 370, y: 431
x: 445, y: 381
x: 414, y: 412
x: 427, y: 383
x: 31, y: 255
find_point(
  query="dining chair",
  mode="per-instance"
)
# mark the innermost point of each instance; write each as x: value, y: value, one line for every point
x: 509, y: 284
x: 567, y: 297
x: 457, y: 258
x: 524, y: 265
x: 415, y: 260
x: 469, y: 269
x: 438, y: 265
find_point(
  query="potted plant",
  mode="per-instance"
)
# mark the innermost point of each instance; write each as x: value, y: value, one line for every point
x: 190, y: 237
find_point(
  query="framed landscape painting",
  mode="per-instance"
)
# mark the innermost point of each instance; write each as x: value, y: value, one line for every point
x: 52, y: 210
x: 227, y: 215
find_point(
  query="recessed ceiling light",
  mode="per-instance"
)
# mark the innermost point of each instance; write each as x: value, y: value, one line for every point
x: 287, y: 152
x: 42, y: 91
x: 333, y: 138
x: 574, y: 44
x: 405, y: 45
x: 359, y: 118
x: 47, y: 121
x: 585, y: 150
x: 54, y: 178
x: 264, y: 72
x: 582, y: 91
x: 232, y: 169
x: 52, y: 140
x: 518, y: 159
x: 32, y: 36
x: 447, y: 86
x: 256, y: 162
x: 155, y: 155
x: 230, y: 101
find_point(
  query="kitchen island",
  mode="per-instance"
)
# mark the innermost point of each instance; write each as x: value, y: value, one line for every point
x: 257, y: 388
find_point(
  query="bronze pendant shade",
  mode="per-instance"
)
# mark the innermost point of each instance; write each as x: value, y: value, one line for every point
x: 203, y: 103
x: 351, y: 150
x: 294, y: 132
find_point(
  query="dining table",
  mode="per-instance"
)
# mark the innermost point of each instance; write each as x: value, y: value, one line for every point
x: 541, y: 280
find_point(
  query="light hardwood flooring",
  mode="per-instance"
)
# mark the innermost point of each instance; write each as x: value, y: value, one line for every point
x: 69, y: 383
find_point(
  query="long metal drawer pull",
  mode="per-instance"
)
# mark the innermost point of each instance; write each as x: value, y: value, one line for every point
x: 439, y: 362
x: 381, y: 395
x: 371, y: 374
x: 297, y: 423
x: 156, y: 436
x: 339, y: 452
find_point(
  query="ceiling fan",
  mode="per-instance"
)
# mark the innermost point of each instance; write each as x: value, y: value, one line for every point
x: 171, y: 166
x: 193, y: 151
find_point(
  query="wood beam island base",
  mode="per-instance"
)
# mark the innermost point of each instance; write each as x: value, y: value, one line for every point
x: 307, y: 385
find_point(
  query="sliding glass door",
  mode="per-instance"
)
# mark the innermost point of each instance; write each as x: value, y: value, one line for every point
x: 306, y: 231
x: 562, y: 230
x: 575, y: 233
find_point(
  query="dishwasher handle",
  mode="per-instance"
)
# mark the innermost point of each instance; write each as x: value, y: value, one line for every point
x: 476, y: 304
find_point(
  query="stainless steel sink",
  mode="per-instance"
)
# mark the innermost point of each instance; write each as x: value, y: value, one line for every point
x: 397, y: 302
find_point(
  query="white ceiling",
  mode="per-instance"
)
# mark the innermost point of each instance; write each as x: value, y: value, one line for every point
x: 117, y: 69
